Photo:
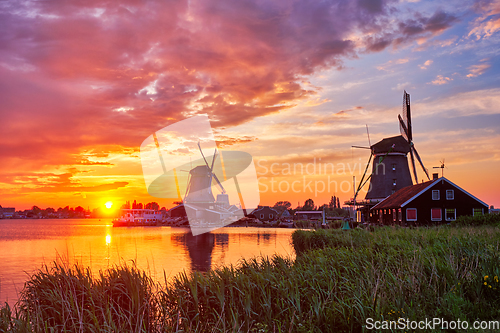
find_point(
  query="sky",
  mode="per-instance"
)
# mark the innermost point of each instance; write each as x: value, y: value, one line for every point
x: 84, y: 83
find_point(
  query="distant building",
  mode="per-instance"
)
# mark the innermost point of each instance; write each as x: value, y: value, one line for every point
x: 285, y: 215
x: 309, y: 215
x: 494, y: 210
x: 7, y: 212
x: 264, y: 214
x: 435, y: 201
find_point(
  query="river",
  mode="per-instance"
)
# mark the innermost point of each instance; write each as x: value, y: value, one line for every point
x: 25, y: 245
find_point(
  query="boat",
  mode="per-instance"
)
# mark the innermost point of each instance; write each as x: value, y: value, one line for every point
x: 138, y: 217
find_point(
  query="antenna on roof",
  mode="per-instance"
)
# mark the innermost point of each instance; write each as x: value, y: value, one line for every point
x: 442, y: 166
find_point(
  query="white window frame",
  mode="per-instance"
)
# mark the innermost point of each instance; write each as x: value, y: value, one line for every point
x: 435, y: 192
x: 441, y: 218
x: 474, y: 213
x: 452, y: 197
x: 455, y: 214
x: 261, y: 216
x: 416, y: 216
x: 270, y: 216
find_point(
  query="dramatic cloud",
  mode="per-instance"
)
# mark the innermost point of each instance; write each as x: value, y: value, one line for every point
x: 83, y: 83
x: 108, y: 73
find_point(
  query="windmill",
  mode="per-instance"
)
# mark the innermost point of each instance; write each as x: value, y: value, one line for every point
x: 199, y: 197
x: 199, y: 188
x: 390, y: 169
x: 406, y: 130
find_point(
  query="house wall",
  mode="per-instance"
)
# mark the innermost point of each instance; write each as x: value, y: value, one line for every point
x: 462, y: 203
x: 265, y: 214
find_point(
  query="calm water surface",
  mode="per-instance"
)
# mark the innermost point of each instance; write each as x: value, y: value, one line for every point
x: 27, y: 244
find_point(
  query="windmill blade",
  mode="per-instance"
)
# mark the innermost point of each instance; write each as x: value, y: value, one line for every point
x: 420, y: 161
x: 363, y: 178
x: 211, y: 172
x: 405, y: 107
x: 402, y: 128
x: 213, y: 160
x: 218, y: 183
x: 201, y: 151
x: 413, y: 166
x: 408, y: 117
x: 212, y: 167
x: 368, y: 133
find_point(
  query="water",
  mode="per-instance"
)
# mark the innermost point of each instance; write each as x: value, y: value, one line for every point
x: 27, y: 244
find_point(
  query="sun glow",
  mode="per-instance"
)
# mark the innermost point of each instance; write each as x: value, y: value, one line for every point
x: 108, y: 204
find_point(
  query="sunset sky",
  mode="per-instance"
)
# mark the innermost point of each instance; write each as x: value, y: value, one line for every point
x: 84, y: 83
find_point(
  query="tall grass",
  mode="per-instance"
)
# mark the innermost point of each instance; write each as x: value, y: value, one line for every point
x: 338, y: 280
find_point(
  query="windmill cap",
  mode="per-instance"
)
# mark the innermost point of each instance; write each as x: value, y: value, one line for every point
x: 400, y: 145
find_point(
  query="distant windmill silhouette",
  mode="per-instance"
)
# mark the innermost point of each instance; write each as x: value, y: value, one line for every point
x: 442, y: 166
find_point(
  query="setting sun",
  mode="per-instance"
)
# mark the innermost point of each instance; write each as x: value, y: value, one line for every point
x: 108, y: 204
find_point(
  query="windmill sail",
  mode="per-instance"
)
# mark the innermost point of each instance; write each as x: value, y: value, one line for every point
x: 406, y: 130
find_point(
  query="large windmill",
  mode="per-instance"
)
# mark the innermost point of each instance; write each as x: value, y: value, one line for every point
x: 390, y: 168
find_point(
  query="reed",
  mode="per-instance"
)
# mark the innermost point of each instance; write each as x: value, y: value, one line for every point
x: 338, y: 280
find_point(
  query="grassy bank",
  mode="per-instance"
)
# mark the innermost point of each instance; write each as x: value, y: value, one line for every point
x: 337, y: 281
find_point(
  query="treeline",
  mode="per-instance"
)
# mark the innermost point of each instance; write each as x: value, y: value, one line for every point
x: 333, y: 208
x: 49, y: 212
x: 139, y: 205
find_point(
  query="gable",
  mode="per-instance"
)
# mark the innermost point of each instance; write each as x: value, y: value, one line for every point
x: 435, y: 184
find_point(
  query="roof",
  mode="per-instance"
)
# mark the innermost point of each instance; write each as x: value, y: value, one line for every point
x: 264, y: 207
x: 309, y: 212
x: 405, y: 195
x: 401, y: 145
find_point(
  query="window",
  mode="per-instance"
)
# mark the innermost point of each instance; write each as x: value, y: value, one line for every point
x: 477, y: 211
x: 451, y: 214
x: 435, y: 194
x: 450, y: 195
x: 394, y: 182
x: 261, y: 216
x: 411, y: 214
x: 270, y: 216
x: 436, y: 214
x: 393, y: 167
x: 400, y: 215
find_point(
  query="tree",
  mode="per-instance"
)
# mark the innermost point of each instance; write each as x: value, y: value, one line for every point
x: 338, y: 203
x: 152, y: 205
x: 324, y: 207
x: 36, y: 210
x: 333, y: 203
x: 309, y: 205
x: 281, y: 206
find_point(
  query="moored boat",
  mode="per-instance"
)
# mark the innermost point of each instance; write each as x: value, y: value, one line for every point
x: 138, y: 217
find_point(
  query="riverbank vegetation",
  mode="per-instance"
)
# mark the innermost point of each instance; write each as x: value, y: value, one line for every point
x: 338, y: 280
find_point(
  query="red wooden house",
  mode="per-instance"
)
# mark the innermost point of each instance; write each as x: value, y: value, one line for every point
x: 435, y: 201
